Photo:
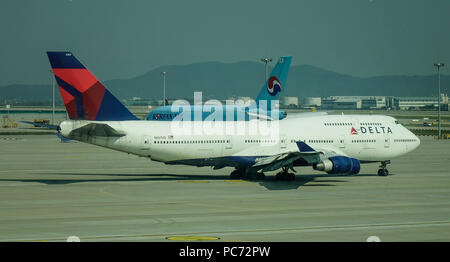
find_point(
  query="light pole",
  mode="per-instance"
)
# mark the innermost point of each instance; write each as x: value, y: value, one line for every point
x: 164, y: 86
x: 266, y: 60
x: 439, y: 65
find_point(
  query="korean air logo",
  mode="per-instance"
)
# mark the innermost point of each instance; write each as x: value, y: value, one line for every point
x: 273, y: 86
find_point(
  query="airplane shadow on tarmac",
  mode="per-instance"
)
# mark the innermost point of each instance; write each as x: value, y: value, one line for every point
x: 269, y: 183
x: 306, y: 180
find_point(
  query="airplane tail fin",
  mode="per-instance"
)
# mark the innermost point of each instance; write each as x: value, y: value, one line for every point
x: 84, y: 96
x: 276, y: 81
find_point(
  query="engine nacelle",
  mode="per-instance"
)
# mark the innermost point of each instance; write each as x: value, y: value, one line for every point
x: 339, y: 165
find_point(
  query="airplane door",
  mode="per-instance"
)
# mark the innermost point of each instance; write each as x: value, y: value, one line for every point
x: 387, y: 141
x: 229, y: 143
x: 146, y: 141
x: 282, y: 141
x: 145, y: 144
x: 342, y: 141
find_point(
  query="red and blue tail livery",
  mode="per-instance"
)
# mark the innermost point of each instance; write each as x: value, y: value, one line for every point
x: 84, y: 96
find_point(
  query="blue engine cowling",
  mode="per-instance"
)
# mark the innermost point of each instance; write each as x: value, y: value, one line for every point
x: 340, y: 165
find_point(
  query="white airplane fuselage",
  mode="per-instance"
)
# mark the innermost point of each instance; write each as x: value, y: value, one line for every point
x: 368, y: 138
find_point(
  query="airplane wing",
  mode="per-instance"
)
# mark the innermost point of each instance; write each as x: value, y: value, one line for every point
x: 282, y: 160
x: 96, y: 129
x: 270, y: 163
x: 305, y: 153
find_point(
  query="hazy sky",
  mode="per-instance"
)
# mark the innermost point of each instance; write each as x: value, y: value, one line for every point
x: 120, y: 39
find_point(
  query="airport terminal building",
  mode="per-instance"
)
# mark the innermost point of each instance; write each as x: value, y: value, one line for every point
x: 376, y: 102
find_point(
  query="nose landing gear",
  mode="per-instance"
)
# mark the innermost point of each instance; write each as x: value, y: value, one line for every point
x: 383, y: 171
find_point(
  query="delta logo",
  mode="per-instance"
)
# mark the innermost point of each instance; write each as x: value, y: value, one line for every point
x: 372, y: 130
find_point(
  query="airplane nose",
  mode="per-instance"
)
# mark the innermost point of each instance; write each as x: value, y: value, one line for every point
x: 413, y: 140
x: 417, y: 143
x: 416, y: 140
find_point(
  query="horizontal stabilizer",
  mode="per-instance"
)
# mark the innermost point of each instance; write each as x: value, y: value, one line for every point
x: 53, y: 127
x: 63, y: 139
x: 259, y: 116
x: 96, y: 129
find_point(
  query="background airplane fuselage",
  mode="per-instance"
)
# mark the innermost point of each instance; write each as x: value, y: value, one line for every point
x: 213, y: 113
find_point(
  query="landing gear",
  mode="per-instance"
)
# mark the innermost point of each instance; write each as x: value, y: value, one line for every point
x: 383, y: 171
x: 249, y: 174
x: 285, y: 175
x: 260, y: 176
x: 237, y: 174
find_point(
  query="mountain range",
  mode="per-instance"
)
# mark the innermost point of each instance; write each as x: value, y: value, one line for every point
x: 223, y: 80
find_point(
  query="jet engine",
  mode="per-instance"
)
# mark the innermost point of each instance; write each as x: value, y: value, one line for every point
x: 339, y: 165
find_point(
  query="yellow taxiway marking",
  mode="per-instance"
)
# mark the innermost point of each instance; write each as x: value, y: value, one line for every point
x: 192, y: 238
x: 236, y: 180
x: 194, y: 181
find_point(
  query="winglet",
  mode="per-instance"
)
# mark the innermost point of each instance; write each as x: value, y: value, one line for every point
x: 303, y: 147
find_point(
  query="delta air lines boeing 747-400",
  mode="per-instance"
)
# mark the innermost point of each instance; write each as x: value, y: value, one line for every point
x: 335, y: 144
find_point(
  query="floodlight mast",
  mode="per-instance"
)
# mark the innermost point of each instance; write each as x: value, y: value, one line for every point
x: 439, y: 65
x: 164, y: 86
x: 266, y: 60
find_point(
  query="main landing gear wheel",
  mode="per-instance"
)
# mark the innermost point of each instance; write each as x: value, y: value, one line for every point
x: 383, y: 170
x: 260, y: 176
x: 285, y: 175
x: 237, y: 174
x: 248, y: 174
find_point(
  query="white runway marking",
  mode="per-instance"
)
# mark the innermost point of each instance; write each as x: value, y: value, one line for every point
x: 327, y: 228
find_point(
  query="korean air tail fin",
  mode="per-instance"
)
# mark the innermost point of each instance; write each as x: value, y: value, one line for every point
x: 84, y: 96
x: 275, y: 83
